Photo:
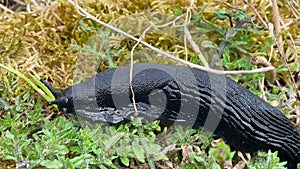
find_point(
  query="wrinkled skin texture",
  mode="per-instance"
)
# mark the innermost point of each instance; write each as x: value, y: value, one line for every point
x: 178, y: 94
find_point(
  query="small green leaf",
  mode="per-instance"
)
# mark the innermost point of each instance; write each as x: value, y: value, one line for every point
x: 52, y: 164
x: 294, y: 66
x: 9, y: 135
x: 221, y: 152
x: 17, y: 101
x: 75, y: 149
x: 10, y: 157
x: 177, y: 12
x: 69, y: 164
x: 222, y: 14
x: 26, y: 96
x: 114, y: 139
x: 204, y: 30
x: 208, y: 44
x: 62, y: 149
x: 77, y: 161
x: 138, y: 151
x: 47, y: 133
x: 102, y: 167
x: 125, y: 160
x: 281, y: 69
x: 83, y: 27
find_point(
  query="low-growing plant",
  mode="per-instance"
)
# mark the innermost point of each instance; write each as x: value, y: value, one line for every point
x: 266, y: 160
x: 233, y: 43
x: 215, y: 158
x: 100, y: 48
x: 60, y: 143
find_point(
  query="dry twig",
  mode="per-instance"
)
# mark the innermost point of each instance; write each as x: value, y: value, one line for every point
x: 230, y: 6
x: 277, y: 26
x: 131, y: 68
x: 279, y: 41
x: 131, y: 57
x: 187, y: 36
x: 256, y: 60
x: 6, y: 9
x: 256, y: 13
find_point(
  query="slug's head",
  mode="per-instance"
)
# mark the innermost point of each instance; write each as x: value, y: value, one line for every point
x: 63, y: 101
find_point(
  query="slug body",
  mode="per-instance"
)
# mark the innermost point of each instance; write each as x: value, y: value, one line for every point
x: 179, y: 94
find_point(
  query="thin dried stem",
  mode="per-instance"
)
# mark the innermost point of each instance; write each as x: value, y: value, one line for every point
x: 6, y: 9
x: 230, y: 6
x: 256, y: 60
x: 131, y: 69
x: 279, y: 38
x: 195, y: 47
x: 261, y: 85
x: 131, y: 57
x: 294, y: 21
x: 187, y: 36
x: 256, y: 13
x: 277, y: 26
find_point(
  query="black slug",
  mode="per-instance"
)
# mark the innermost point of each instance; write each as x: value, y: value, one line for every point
x: 179, y: 94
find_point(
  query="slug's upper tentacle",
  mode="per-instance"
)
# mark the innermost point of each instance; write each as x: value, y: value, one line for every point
x: 56, y: 93
x: 61, y: 101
